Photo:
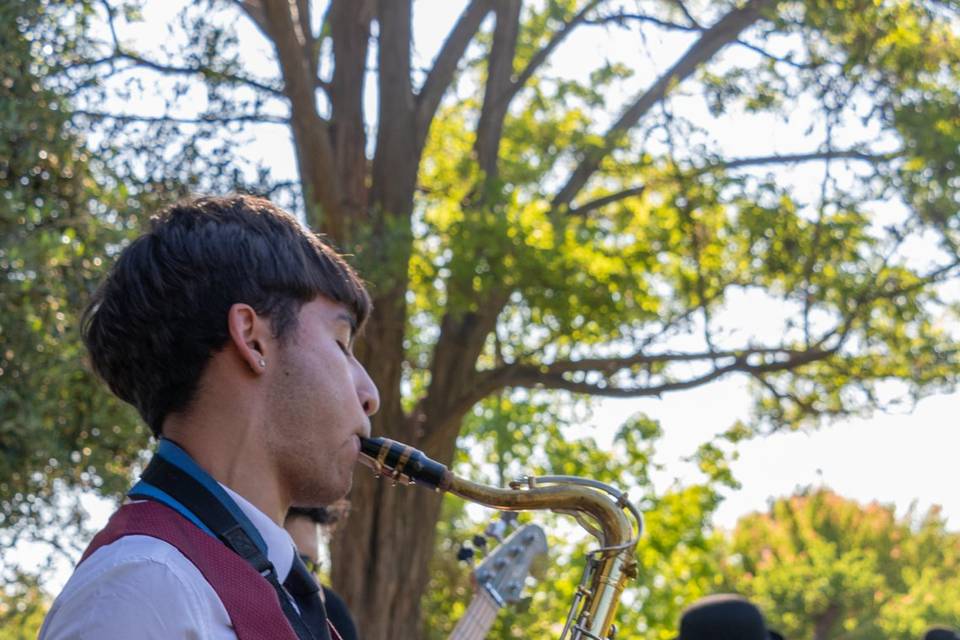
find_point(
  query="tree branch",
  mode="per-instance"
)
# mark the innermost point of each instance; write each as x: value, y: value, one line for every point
x: 560, y: 383
x: 541, y: 56
x: 315, y: 156
x: 455, y: 383
x: 766, y: 54
x: 305, y: 33
x: 686, y: 13
x: 120, y: 54
x: 771, y: 360
x: 111, y: 23
x: 446, y: 62
x: 169, y: 69
x: 552, y: 376
x: 622, y: 18
x: 738, y: 163
x: 499, y: 83
x: 395, y: 18
x: 711, y: 41
x: 781, y: 395
x: 254, y: 11
x: 319, y: 41
x: 840, y: 154
x: 397, y: 157
x: 593, y: 205
x: 349, y: 27
x: 611, y: 365
x: 206, y: 119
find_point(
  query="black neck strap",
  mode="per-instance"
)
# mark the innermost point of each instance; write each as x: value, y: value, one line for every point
x: 189, y: 492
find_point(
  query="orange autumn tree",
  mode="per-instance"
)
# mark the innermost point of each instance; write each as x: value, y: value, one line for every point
x: 823, y: 566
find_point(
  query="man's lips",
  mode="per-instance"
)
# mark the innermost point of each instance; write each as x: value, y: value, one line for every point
x: 365, y: 432
x: 358, y: 438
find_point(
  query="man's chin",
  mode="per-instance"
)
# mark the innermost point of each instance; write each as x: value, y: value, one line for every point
x: 325, y: 494
x: 343, y: 487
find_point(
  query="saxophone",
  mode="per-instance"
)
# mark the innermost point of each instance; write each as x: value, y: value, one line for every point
x: 607, y: 567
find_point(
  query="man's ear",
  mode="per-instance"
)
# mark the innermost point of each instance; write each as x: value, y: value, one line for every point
x: 250, y: 335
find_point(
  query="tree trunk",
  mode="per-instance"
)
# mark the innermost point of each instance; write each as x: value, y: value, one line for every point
x: 350, y: 26
x: 824, y: 623
x: 382, y: 554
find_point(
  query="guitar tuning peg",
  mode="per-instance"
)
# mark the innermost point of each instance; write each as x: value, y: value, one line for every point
x: 465, y: 554
x: 479, y: 541
x: 496, y: 529
x: 522, y: 605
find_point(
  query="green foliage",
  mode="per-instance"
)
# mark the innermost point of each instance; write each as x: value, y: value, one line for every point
x: 668, y: 260
x: 59, y: 223
x: 823, y: 566
x: 814, y: 561
x: 23, y: 605
x: 676, y: 556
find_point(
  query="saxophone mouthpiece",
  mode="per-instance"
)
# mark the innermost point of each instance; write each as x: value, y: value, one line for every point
x: 402, y: 463
x: 370, y: 447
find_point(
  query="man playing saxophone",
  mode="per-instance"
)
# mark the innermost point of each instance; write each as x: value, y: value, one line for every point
x: 230, y: 328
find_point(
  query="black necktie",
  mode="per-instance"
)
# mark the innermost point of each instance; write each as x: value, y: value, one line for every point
x: 306, y: 593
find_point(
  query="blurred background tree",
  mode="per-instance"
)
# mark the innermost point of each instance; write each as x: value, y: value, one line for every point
x: 531, y: 236
x: 62, y: 216
x: 23, y: 605
x: 677, y: 555
x: 821, y: 566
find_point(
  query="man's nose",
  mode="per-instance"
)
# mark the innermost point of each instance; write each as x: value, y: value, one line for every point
x: 367, y: 393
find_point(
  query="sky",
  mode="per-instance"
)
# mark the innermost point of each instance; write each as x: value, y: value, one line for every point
x: 897, y: 459
x: 901, y: 459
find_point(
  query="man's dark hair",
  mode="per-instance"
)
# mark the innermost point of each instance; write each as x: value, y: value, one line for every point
x: 161, y: 313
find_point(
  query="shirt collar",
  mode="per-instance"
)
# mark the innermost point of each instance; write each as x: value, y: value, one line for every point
x: 279, y: 543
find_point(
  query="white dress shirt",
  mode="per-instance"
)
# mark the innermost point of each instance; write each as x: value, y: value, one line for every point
x: 139, y: 587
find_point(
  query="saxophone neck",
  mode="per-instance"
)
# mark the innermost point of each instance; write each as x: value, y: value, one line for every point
x: 560, y: 494
x: 605, y: 504
x: 595, y: 601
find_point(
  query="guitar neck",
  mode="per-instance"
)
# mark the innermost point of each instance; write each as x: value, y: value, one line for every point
x: 477, y: 619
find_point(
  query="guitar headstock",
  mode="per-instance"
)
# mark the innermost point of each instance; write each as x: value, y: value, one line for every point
x: 503, y: 571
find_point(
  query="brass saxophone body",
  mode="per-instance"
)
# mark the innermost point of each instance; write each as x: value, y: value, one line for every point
x: 601, y: 509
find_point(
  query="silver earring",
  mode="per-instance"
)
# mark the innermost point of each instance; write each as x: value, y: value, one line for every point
x: 262, y: 363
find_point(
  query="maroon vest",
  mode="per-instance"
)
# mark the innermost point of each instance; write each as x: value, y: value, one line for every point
x: 249, y: 599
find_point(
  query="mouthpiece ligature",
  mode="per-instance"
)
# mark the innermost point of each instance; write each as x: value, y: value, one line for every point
x: 402, y: 463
